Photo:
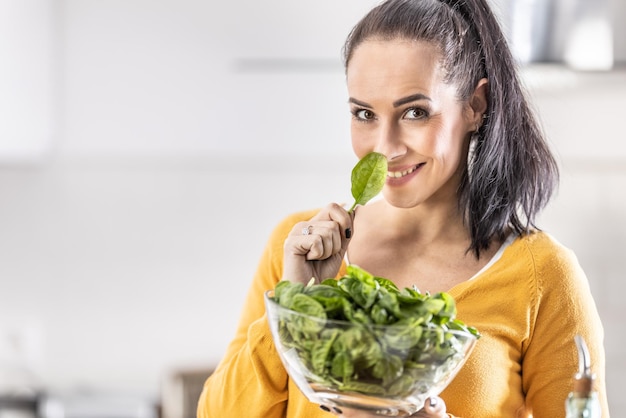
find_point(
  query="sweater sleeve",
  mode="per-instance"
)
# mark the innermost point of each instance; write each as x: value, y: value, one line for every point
x: 250, y: 380
x: 564, y: 308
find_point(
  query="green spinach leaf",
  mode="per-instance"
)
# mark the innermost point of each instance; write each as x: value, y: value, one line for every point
x: 368, y: 178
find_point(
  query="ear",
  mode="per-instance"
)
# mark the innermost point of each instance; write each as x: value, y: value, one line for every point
x: 478, y: 103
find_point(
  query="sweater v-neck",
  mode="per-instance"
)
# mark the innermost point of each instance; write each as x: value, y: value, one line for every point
x: 505, y: 244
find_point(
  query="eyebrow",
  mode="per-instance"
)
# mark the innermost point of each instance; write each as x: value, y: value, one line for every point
x: 397, y: 103
x: 411, y: 98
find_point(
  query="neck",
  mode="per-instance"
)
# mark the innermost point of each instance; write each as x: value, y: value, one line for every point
x: 425, y: 223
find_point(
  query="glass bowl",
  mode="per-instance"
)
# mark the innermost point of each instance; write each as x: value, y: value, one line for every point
x: 388, y: 370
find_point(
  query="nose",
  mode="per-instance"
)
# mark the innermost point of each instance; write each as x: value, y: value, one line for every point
x: 389, y: 141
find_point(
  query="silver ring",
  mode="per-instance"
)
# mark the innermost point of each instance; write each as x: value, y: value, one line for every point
x: 307, y: 230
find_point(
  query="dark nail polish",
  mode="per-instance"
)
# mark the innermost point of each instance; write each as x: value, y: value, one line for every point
x: 324, y: 408
x: 337, y: 410
x: 348, y: 233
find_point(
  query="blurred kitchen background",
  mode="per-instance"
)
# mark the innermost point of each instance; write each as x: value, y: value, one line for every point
x: 148, y: 147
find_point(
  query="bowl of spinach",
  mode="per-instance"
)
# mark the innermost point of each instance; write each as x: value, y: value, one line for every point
x: 361, y: 342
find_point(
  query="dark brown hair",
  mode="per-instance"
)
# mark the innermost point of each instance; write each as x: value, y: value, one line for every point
x: 511, y: 173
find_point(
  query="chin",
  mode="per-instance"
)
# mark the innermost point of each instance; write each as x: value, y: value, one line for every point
x: 400, y: 202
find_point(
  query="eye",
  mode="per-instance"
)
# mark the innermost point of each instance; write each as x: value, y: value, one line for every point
x: 415, y: 113
x: 363, y: 114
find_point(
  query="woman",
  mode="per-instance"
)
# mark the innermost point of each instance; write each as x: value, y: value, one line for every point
x: 432, y: 86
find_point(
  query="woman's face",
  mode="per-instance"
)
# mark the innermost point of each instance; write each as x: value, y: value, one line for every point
x: 402, y: 108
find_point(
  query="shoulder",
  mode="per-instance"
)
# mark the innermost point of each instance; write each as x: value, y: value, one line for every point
x: 553, y: 265
x: 546, y: 252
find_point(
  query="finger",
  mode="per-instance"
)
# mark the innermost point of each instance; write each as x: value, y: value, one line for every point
x: 341, y: 216
x: 330, y: 232
x: 315, y: 245
x: 317, y: 227
x: 332, y: 409
x: 317, y: 239
x: 338, y: 214
x: 314, y: 242
x: 301, y: 228
x: 435, y: 407
x: 300, y: 240
x: 324, y: 235
x: 321, y: 246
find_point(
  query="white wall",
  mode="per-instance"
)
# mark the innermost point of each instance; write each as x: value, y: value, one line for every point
x: 28, y: 78
x: 186, y: 130
x: 182, y: 78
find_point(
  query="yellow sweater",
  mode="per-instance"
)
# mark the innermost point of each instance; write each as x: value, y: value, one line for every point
x: 528, y: 306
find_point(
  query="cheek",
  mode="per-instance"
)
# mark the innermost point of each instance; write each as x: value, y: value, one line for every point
x: 451, y: 139
x: 449, y: 148
x: 360, y: 144
x: 435, y: 143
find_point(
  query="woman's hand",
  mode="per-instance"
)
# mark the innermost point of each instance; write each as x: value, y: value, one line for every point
x: 316, y: 248
x: 434, y: 407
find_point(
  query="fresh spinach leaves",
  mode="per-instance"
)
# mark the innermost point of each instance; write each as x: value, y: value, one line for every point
x: 362, y: 333
x: 368, y: 178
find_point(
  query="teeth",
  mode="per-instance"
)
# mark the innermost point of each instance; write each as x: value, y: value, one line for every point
x: 398, y: 174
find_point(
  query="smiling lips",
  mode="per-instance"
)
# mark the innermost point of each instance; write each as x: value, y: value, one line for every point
x: 398, y: 174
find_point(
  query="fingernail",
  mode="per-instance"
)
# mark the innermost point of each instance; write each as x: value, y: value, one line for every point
x: 337, y: 410
x: 348, y: 233
x: 433, y: 402
x: 324, y: 408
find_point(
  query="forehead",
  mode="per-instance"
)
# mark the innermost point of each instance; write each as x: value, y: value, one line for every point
x: 393, y: 67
